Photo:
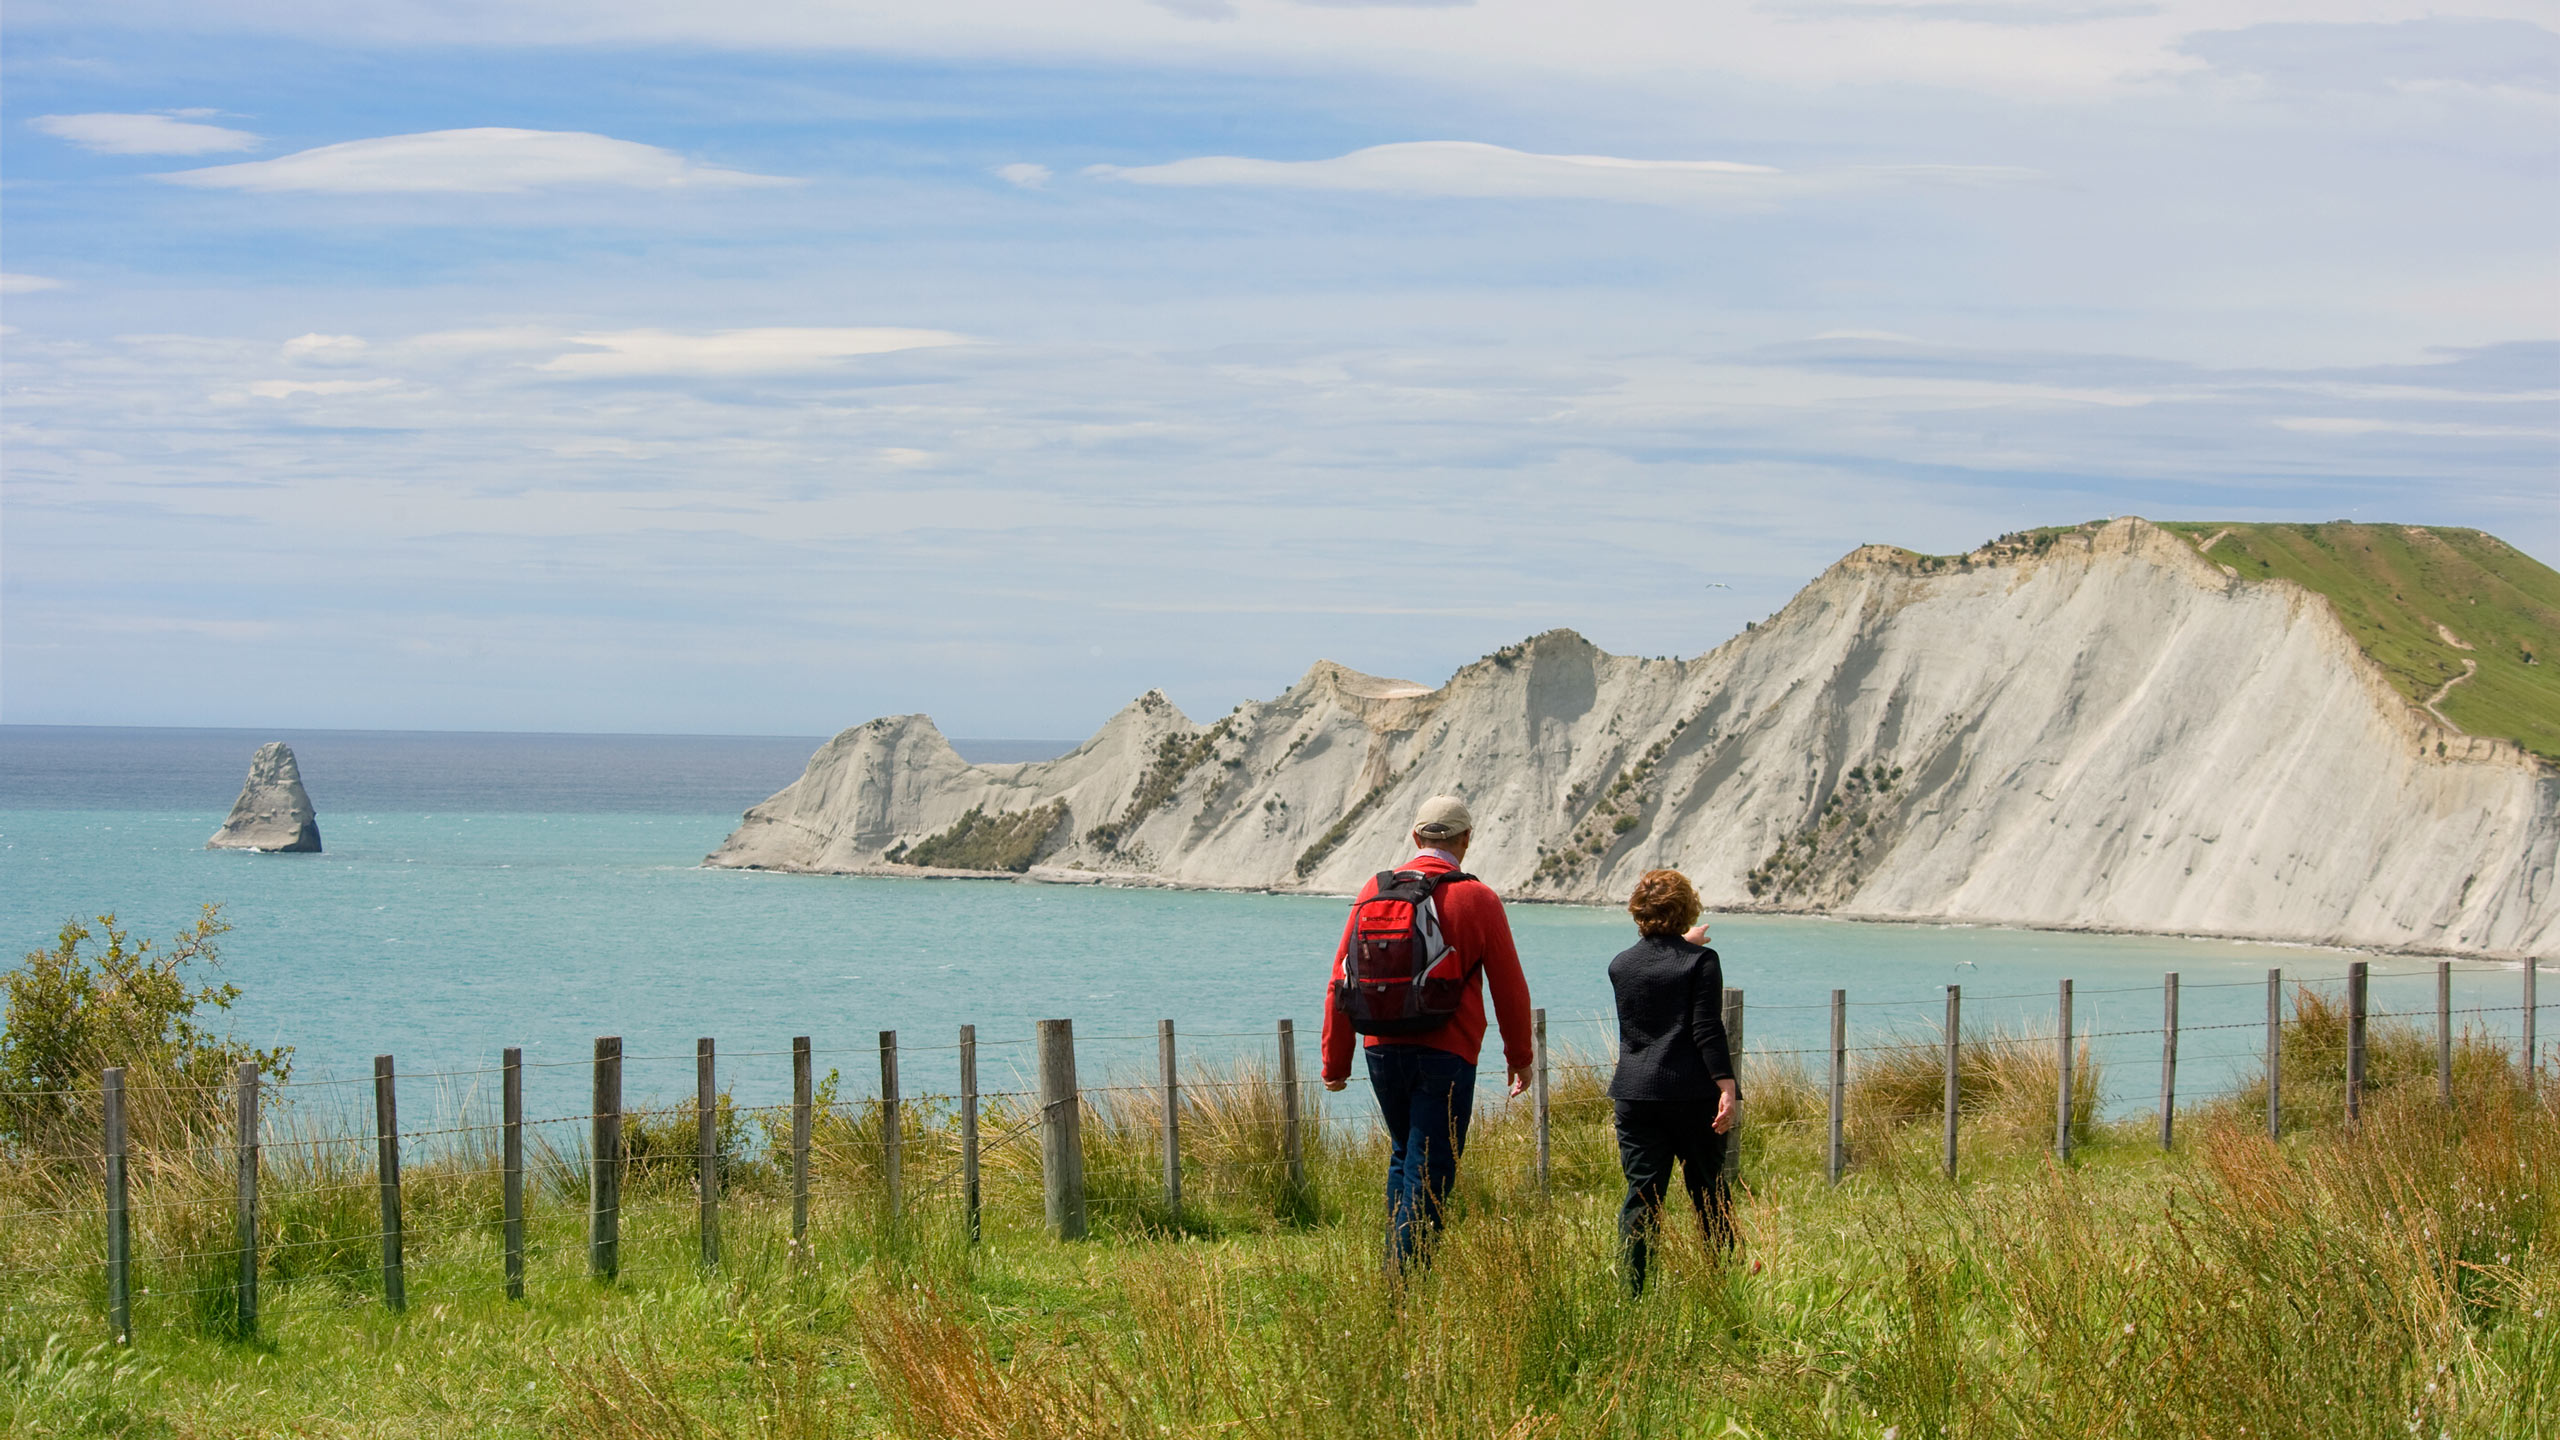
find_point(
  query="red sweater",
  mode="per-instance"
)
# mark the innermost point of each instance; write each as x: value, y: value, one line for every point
x: 1471, y: 917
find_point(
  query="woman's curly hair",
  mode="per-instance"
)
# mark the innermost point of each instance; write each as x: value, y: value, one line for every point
x: 1665, y: 903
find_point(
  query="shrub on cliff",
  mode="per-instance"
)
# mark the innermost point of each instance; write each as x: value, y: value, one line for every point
x: 980, y: 841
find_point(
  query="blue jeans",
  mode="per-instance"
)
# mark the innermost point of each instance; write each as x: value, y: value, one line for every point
x: 1426, y: 1097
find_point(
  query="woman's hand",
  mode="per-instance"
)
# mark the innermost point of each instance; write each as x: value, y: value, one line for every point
x: 1697, y: 934
x: 1728, y: 1106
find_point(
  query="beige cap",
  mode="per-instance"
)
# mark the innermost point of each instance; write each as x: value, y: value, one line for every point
x: 1443, y: 817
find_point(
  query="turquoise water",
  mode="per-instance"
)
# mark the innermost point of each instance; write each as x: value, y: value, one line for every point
x: 442, y: 937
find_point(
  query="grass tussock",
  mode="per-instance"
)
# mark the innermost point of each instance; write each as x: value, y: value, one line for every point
x: 2010, y: 1084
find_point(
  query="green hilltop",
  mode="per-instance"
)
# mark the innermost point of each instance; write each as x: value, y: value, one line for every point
x: 2421, y: 600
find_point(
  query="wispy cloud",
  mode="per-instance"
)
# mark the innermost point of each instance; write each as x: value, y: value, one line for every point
x: 766, y: 351
x: 488, y: 161
x: 287, y: 389
x: 1024, y: 174
x: 114, y: 134
x: 1970, y: 12
x: 1472, y: 168
x: 14, y: 284
x: 2513, y: 54
x: 1023, y: 502
x: 316, y: 349
x: 2363, y: 425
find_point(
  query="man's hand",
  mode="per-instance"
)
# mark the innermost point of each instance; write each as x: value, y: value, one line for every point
x: 1332, y: 1084
x: 1697, y: 934
x: 1519, y: 1080
x: 1728, y: 1106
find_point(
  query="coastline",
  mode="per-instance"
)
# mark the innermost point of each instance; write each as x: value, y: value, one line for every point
x: 1139, y: 880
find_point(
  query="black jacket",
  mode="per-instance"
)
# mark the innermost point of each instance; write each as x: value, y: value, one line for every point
x: 1671, y: 1041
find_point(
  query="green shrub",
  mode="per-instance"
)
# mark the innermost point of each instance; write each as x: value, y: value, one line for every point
x: 980, y: 841
x: 78, y: 1008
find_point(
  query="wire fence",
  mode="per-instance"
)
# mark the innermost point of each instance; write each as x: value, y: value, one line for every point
x: 262, y: 1183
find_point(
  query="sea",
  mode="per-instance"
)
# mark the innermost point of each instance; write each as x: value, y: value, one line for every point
x: 478, y: 891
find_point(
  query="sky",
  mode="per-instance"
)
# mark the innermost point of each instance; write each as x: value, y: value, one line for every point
x: 764, y: 366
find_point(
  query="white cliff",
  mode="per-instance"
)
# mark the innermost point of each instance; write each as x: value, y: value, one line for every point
x: 2107, y: 731
x: 273, y: 811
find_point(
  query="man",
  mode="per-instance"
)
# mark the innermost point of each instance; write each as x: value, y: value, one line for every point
x: 1426, y: 1081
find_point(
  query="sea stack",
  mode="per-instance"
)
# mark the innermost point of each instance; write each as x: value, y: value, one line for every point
x: 273, y: 811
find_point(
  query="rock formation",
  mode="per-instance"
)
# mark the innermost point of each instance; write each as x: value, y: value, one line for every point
x: 273, y: 811
x: 2102, y: 730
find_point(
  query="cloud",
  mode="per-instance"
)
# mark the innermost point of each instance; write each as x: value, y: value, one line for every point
x: 1973, y: 12
x: 144, y: 134
x: 1475, y: 169
x: 2347, y: 425
x: 1227, y: 9
x: 2509, y: 53
x: 1025, y: 174
x: 488, y: 161
x: 287, y: 389
x: 14, y: 284
x: 773, y: 350
x: 325, y: 349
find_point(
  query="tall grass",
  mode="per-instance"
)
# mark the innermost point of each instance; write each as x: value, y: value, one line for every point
x: 2401, y: 1279
x: 2395, y: 1282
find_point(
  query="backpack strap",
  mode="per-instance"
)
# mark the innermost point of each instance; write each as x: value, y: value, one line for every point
x: 1430, y: 889
x: 1418, y: 885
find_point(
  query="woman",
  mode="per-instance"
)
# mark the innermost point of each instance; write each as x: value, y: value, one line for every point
x: 1676, y: 1094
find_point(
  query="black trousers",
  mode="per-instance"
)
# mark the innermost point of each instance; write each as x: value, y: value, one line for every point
x: 1652, y: 1136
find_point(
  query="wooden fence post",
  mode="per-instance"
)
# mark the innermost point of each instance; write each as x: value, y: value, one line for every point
x: 969, y: 1127
x: 1839, y: 1080
x: 2532, y: 1043
x: 245, y: 1133
x: 119, y: 1210
x: 803, y: 1096
x: 2444, y: 1033
x: 511, y: 1135
x: 2355, y: 1041
x: 1292, y: 1145
x: 1952, y: 1037
x: 1733, y: 1048
x: 604, y: 1163
x: 2275, y: 1054
x: 2169, y: 1061
x: 1061, y: 1130
x: 1539, y: 1098
x: 386, y: 1170
x: 891, y: 1151
x: 706, y: 1149
x: 1171, y: 1085
x: 2062, y: 1085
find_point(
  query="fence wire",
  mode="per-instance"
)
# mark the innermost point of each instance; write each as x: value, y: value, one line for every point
x: 1244, y: 1142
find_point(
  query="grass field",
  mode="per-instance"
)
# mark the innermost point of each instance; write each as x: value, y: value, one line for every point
x: 2402, y: 1281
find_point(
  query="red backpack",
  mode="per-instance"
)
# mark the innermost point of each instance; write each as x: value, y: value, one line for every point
x: 1400, y: 976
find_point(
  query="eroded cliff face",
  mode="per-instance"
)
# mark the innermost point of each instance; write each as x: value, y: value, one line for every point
x: 2109, y: 731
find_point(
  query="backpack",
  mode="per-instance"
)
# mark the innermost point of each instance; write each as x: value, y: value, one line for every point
x: 1399, y: 974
